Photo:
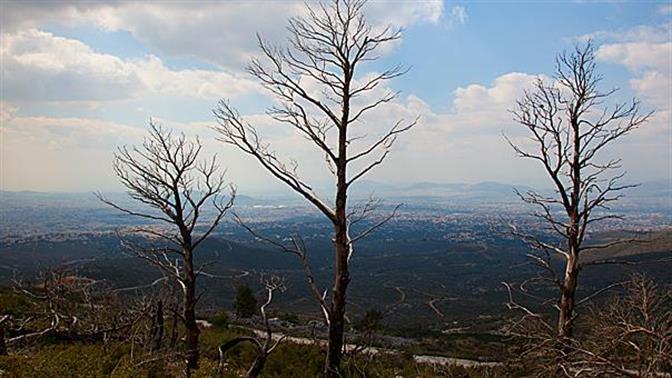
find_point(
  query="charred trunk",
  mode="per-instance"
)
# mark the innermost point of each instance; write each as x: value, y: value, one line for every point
x: 3, y: 346
x: 191, y: 327
x: 157, y: 333
x: 257, y: 366
x: 174, y: 329
x: 338, y: 305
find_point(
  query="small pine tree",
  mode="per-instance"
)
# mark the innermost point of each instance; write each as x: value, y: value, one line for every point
x: 245, y: 304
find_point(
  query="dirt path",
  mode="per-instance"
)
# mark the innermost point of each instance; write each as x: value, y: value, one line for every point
x: 418, y: 358
x: 432, y: 304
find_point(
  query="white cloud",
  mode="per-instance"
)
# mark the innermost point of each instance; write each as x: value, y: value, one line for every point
x: 647, y: 52
x: 463, y: 143
x: 159, y: 79
x: 638, y: 55
x: 500, y: 95
x: 40, y: 66
x: 404, y: 13
x: 649, y: 33
x: 218, y: 32
x: 445, y: 146
x: 52, y: 153
x: 665, y: 9
x: 67, y: 132
x: 458, y: 15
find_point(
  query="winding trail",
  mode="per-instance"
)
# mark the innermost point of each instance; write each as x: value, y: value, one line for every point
x: 432, y: 304
x: 418, y: 358
x: 400, y: 301
x: 402, y: 295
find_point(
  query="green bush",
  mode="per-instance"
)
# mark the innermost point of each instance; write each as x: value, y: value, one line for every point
x: 220, y: 320
x: 245, y: 303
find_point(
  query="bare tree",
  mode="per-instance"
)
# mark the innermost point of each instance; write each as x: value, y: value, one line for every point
x: 630, y: 335
x: 326, y: 49
x: 166, y: 175
x: 3, y: 345
x: 265, y: 345
x: 67, y: 306
x: 570, y: 126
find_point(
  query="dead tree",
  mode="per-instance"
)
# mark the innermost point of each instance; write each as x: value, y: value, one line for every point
x: 3, y: 345
x: 632, y: 334
x: 157, y: 327
x: 265, y: 345
x: 66, y: 306
x: 166, y: 175
x: 629, y: 335
x: 570, y: 125
x: 320, y: 92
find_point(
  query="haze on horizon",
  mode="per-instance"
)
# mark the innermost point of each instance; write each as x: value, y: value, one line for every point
x: 79, y: 79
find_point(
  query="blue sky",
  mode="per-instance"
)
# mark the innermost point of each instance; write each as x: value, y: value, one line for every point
x: 80, y: 79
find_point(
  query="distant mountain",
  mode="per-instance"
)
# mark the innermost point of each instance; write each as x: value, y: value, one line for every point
x: 482, y: 190
x: 486, y: 190
x: 81, y: 199
x: 366, y: 187
x: 435, y: 186
x: 491, y: 186
x: 660, y: 188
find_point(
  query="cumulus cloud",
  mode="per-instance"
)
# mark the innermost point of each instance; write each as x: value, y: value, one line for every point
x: 647, y: 52
x: 40, y: 66
x: 224, y: 31
x: 66, y: 133
x: 451, y: 145
x: 504, y: 89
x: 468, y: 135
x: 638, y: 55
x: 58, y: 153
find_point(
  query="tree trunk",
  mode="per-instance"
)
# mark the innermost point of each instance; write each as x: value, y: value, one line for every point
x: 341, y: 240
x: 190, y: 325
x: 337, y: 312
x: 568, y: 297
x: 3, y: 346
x: 257, y: 366
x: 341, y: 243
x: 157, y: 333
x: 174, y: 331
x: 338, y: 300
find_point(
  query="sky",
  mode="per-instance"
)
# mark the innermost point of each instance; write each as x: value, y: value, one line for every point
x: 80, y: 78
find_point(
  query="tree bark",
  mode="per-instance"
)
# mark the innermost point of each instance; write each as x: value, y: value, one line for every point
x: 257, y: 366
x: 157, y: 333
x: 341, y: 243
x: 567, y: 298
x: 569, y: 284
x: 338, y: 304
x: 190, y: 325
x: 3, y: 346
